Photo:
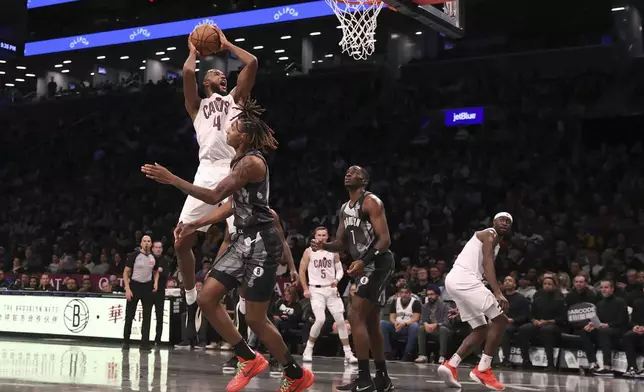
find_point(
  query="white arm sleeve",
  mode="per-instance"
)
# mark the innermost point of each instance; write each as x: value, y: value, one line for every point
x: 339, y: 271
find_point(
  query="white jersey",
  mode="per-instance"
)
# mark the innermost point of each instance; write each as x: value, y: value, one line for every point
x: 321, y: 268
x: 470, y: 260
x: 213, y: 119
x: 404, y: 314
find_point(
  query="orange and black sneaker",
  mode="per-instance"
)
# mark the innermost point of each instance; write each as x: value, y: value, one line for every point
x: 246, y: 370
x: 486, y: 378
x: 449, y: 375
x: 298, y: 384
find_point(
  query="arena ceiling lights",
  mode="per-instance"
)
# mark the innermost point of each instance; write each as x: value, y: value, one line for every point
x: 235, y: 20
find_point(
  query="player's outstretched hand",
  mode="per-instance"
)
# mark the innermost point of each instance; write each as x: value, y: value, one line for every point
x: 295, y: 277
x: 192, y: 47
x: 503, y: 302
x: 356, y: 268
x: 316, y: 245
x: 183, y: 230
x: 158, y: 173
x: 225, y: 44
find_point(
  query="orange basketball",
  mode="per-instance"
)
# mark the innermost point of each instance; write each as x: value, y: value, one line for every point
x: 206, y: 40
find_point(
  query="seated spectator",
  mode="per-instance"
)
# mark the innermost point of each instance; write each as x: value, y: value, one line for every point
x: 422, y: 284
x: 87, y: 286
x: 44, y: 284
x: 70, y: 286
x: 21, y: 283
x: 564, y: 283
x: 54, y: 266
x: 17, y: 266
x: 613, y: 318
x: 434, y: 325
x: 404, y: 314
x: 548, y: 317
x: 580, y: 292
x: 81, y: 269
x: 117, y: 265
x: 102, y: 267
x: 3, y: 281
x: 115, y: 287
x: 518, y: 314
x: 632, y: 282
x: 436, y: 277
x: 634, y: 339
x: 526, y: 287
x: 287, y: 312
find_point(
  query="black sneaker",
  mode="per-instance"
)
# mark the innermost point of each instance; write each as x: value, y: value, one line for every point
x: 603, y: 373
x: 630, y: 373
x: 383, y: 383
x: 191, y: 321
x: 185, y: 345
x: 358, y: 385
x: 276, y: 368
x: 200, y: 346
x: 231, y: 365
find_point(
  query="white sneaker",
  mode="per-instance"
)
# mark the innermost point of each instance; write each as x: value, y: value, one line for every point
x: 441, y: 360
x: 350, y: 358
x: 226, y: 347
x: 212, y: 346
x: 421, y: 359
x: 307, y: 355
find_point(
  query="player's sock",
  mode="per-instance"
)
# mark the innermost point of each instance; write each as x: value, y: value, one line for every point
x: 381, y: 368
x: 242, y: 350
x: 191, y: 296
x: 455, y: 360
x: 309, y: 345
x: 347, y: 349
x: 486, y: 362
x: 363, y: 369
x: 292, y: 369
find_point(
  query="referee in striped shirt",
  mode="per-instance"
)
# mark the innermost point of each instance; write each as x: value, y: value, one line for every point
x: 141, y: 279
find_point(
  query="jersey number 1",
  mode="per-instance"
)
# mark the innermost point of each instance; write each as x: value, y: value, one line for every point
x: 353, y: 237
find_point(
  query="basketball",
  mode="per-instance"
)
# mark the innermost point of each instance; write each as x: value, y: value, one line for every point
x: 206, y: 40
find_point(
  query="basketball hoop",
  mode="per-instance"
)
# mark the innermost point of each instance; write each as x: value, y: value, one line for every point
x: 358, y: 20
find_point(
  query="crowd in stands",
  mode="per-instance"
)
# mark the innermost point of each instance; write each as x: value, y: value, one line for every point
x: 75, y: 203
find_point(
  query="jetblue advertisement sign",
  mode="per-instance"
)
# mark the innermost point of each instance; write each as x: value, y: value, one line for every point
x: 45, y: 3
x: 236, y: 20
x: 463, y: 116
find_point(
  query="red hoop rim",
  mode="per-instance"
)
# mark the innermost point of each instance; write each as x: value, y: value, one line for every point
x: 372, y: 2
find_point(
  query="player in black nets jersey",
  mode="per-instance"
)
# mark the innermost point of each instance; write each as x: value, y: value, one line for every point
x: 254, y: 253
x: 363, y: 231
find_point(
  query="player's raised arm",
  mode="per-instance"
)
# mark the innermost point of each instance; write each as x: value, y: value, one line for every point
x: 249, y: 169
x: 246, y: 78
x: 373, y: 206
x: 335, y: 246
x: 190, y: 93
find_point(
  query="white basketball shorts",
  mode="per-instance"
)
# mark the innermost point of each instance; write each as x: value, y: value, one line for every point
x: 473, y: 300
x: 207, y: 176
x: 326, y: 297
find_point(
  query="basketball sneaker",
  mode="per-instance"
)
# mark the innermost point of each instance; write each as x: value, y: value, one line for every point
x: 449, y: 375
x: 246, y: 370
x: 307, y: 355
x: 486, y: 378
x: 350, y: 358
x: 231, y: 365
x: 358, y: 385
x: 382, y: 383
x: 299, y: 384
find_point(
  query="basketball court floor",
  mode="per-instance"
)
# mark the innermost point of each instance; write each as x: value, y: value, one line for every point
x: 43, y: 366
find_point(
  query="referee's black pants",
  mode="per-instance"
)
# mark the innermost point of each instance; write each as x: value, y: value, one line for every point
x: 143, y: 292
x: 159, y: 300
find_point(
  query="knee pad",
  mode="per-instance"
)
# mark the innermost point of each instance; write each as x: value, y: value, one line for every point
x: 341, y: 325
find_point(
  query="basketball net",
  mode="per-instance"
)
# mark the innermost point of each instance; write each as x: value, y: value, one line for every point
x: 358, y: 20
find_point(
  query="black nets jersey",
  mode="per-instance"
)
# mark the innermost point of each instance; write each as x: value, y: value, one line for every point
x: 359, y: 234
x: 250, y: 203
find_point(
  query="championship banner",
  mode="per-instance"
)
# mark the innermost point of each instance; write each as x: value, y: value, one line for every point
x: 96, y: 317
x: 584, y: 311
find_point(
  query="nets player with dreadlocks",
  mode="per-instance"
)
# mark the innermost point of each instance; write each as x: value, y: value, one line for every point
x: 254, y: 253
x: 363, y: 231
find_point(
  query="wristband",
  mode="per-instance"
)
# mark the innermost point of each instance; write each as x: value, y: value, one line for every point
x: 370, y: 255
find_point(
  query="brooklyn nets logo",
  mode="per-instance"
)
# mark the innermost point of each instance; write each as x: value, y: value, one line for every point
x: 76, y: 316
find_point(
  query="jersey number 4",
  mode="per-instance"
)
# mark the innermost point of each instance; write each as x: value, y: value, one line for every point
x: 216, y: 123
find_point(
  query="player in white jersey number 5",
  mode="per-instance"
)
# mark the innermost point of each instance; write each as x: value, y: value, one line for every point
x: 211, y: 117
x: 477, y: 304
x: 325, y: 271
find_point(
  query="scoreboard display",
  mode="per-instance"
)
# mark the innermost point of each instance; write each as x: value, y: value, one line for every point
x: 13, y: 21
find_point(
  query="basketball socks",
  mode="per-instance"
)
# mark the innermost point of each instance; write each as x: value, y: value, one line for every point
x: 363, y: 370
x: 191, y: 296
x: 309, y: 345
x: 242, y: 350
x: 347, y: 350
x: 486, y: 362
x: 381, y: 369
x: 292, y: 369
x: 455, y: 360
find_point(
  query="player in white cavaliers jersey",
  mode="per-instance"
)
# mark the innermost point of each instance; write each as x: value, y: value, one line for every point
x: 211, y: 117
x: 477, y: 304
x: 324, y: 271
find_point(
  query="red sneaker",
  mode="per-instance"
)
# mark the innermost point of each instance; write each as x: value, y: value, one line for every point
x: 299, y: 384
x: 246, y: 370
x: 449, y: 375
x: 487, y: 379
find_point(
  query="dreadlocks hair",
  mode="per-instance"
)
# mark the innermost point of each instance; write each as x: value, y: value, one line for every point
x: 260, y: 134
